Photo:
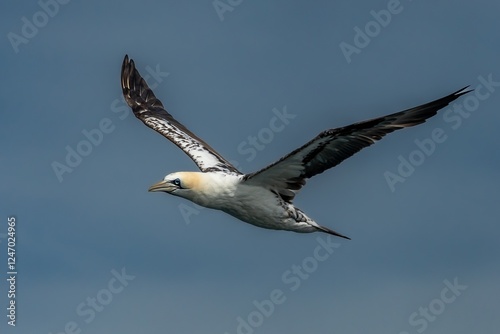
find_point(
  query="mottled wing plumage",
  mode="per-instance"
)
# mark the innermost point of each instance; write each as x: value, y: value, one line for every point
x: 151, y: 112
x: 333, y: 146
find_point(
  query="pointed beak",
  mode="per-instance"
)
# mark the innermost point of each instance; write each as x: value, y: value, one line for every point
x: 162, y: 186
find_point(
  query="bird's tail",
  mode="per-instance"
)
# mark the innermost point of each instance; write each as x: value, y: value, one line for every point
x: 301, y: 217
x: 332, y: 232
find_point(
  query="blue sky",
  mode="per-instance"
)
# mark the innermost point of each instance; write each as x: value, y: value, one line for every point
x: 97, y: 253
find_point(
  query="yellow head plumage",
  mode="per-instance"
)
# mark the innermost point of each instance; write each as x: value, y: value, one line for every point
x: 179, y: 182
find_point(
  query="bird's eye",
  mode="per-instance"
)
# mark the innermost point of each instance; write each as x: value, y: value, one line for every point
x: 177, y: 182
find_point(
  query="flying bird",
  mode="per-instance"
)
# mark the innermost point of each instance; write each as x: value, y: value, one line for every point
x: 263, y: 198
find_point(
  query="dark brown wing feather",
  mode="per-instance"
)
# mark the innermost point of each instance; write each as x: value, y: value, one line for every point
x: 333, y: 146
x: 151, y: 112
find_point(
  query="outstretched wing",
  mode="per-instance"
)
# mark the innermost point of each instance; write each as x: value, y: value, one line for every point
x: 333, y: 146
x: 151, y: 112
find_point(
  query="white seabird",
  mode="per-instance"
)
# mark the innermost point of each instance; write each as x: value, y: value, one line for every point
x: 263, y: 198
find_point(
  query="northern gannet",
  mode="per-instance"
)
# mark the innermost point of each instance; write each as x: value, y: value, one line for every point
x: 263, y: 198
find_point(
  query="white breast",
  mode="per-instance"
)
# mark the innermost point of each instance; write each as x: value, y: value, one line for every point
x: 250, y: 203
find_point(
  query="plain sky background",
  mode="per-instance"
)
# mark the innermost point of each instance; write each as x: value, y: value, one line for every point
x: 225, y: 78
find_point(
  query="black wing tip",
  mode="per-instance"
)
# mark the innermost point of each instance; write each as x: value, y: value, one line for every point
x: 462, y: 91
x: 135, y: 89
x: 421, y: 113
x: 127, y: 69
x: 128, y: 66
x: 128, y: 75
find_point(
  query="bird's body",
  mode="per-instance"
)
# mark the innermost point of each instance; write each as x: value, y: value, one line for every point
x: 253, y: 204
x: 264, y: 198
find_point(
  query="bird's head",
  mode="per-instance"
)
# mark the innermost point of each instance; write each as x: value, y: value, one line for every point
x: 183, y: 184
